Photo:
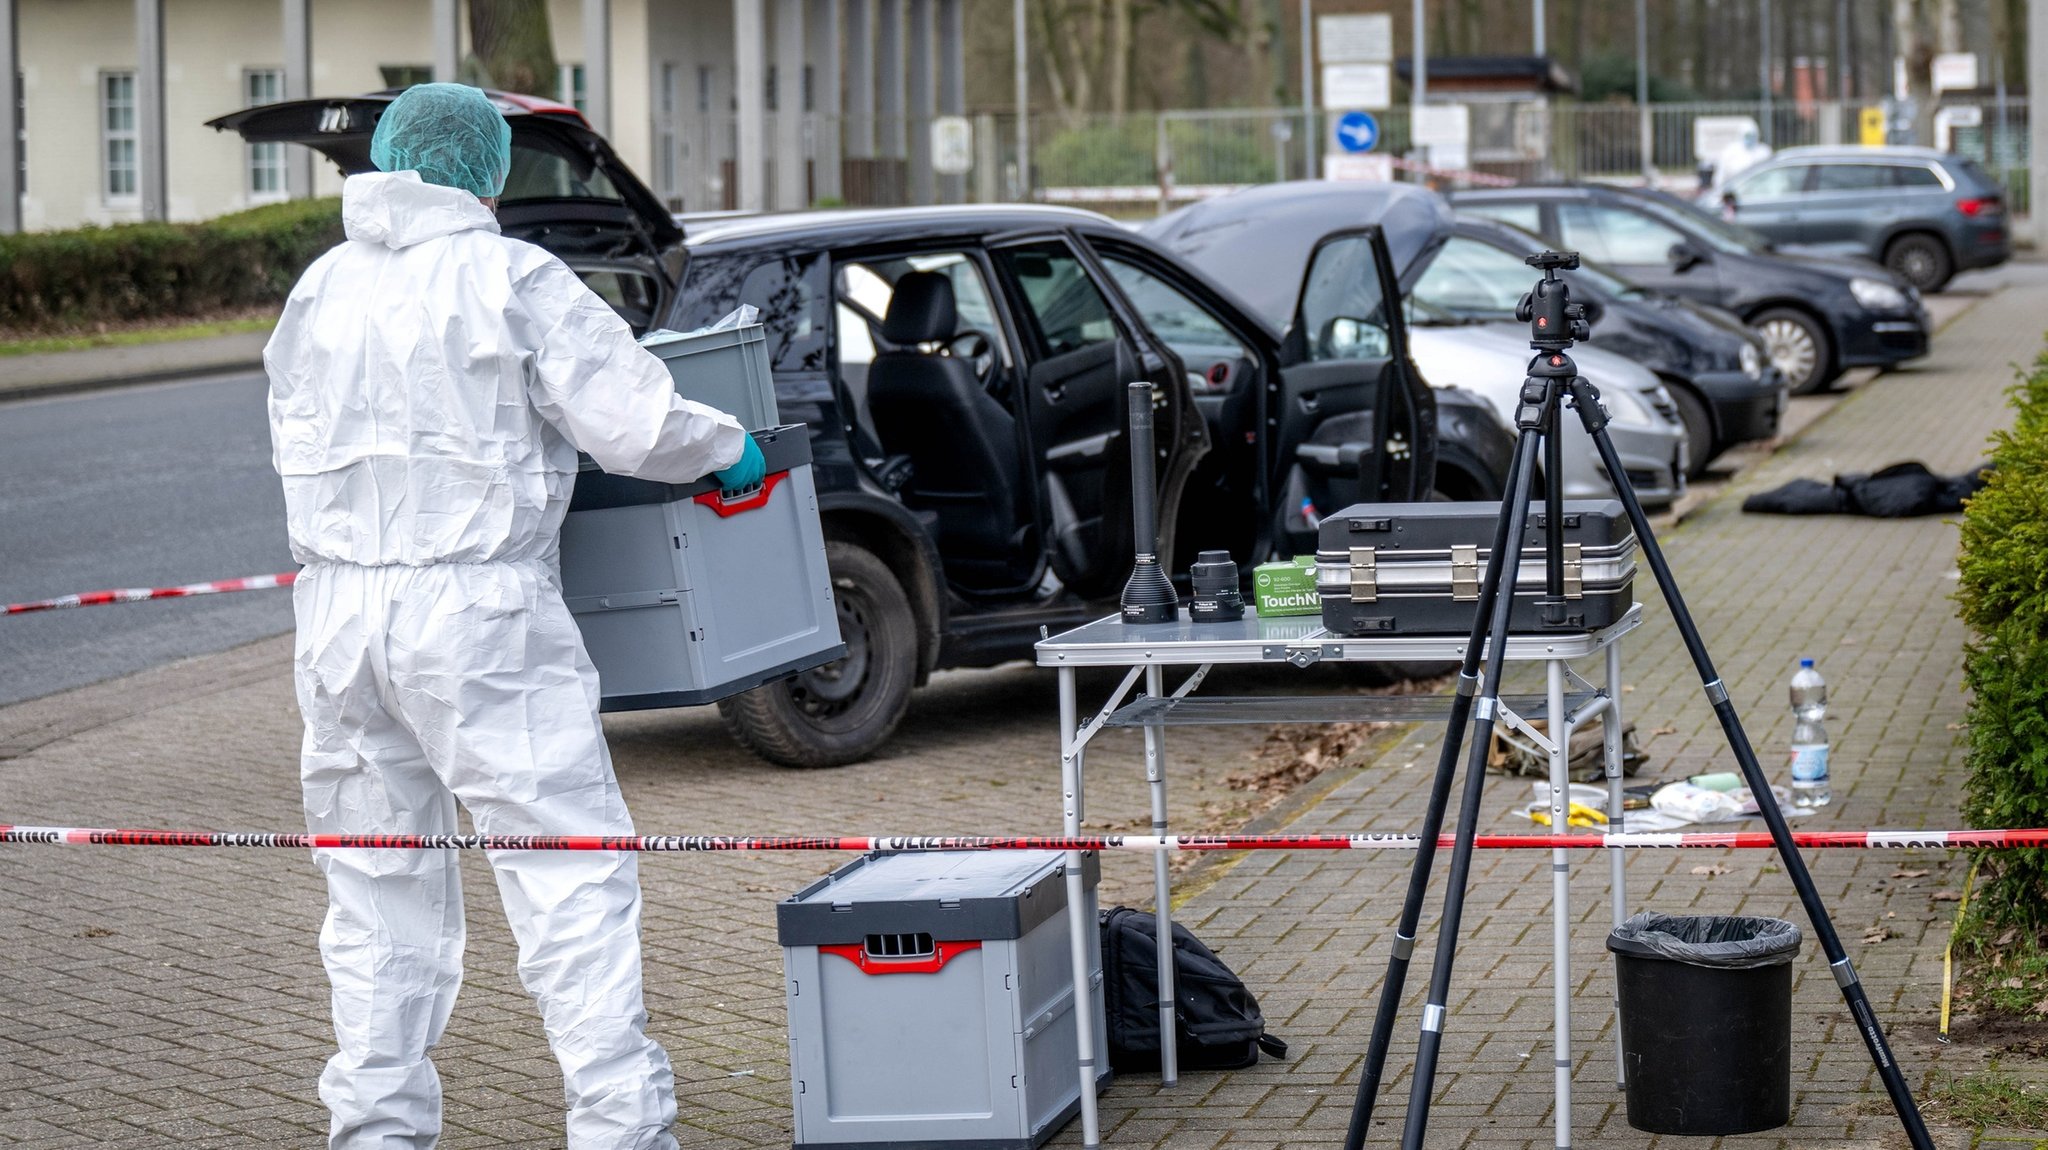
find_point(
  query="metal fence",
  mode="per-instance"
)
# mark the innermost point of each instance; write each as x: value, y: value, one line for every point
x: 1142, y: 163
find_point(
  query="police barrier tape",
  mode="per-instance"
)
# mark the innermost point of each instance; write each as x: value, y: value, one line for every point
x: 143, y: 594
x: 1758, y: 840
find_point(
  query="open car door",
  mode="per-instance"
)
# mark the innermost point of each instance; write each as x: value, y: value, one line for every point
x: 567, y: 191
x: 1349, y: 418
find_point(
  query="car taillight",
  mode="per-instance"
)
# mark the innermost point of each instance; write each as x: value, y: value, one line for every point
x: 1984, y: 206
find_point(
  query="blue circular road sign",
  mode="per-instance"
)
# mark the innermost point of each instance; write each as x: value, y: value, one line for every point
x: 1357, y: 132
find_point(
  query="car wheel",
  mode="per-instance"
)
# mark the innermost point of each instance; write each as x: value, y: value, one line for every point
x: 1797, y: 346
x: 1920, y: 260
x: 1700, y: 447
x: 843, y: 711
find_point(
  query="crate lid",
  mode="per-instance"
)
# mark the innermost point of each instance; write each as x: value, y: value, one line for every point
x: 952, y: 896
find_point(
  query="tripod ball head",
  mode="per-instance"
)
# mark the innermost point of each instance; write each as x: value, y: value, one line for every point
x: 1555, y: 322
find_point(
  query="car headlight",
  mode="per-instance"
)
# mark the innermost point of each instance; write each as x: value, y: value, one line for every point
x: 1751, y: 359
x: 1877, y: 295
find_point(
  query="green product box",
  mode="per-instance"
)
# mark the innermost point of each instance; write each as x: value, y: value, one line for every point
x: 1287, y: 587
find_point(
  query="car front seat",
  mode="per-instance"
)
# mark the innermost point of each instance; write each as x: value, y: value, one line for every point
x: 961, y: 442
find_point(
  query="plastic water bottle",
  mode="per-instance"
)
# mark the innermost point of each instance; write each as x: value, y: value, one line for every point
x: 1809, y: 738
x: 1809, y: 692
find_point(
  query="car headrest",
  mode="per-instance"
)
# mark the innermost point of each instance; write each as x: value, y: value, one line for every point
x: 921, y: 310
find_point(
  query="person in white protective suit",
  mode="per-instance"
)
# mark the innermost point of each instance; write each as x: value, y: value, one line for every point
x: 1738, y: 156
x: 430, y: 384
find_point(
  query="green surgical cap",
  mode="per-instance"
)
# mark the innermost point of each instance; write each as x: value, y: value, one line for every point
x: 451, y: 134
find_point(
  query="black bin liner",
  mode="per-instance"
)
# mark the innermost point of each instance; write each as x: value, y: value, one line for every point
x: 1706, y: 1021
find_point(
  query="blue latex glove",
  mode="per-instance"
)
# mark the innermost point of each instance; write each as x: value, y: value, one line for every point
x: 746, y: 473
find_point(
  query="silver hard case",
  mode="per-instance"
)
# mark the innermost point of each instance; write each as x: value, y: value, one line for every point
x: 1415, y: 569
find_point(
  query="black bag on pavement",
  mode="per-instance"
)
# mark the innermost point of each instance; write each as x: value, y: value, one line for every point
x: 1217, y: 1019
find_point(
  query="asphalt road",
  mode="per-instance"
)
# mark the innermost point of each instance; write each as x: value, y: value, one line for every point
x: 138, y: 487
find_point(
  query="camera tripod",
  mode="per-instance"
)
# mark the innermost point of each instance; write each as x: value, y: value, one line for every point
x: 1555, y: 324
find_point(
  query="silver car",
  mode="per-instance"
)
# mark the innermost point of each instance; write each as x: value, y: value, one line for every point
x: 1492, y: 358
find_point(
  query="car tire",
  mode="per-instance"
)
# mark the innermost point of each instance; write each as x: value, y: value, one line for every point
x: 1798, y: 346
x: 845, y: 710
x: 1921, y: 260
x: 1700, y: 448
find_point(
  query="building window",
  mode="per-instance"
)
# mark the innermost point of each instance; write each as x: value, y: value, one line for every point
x: 704, y: 75
x: 570, y: 81
x: 405, y: 75
x: 666, y: 131
x: 117, y: 136
x: 266, y: 161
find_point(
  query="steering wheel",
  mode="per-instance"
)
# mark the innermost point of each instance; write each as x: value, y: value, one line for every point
x: 976, y: 348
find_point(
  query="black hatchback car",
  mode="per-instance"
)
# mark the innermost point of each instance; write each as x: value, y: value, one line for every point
x: 962, y: 372
x: 1817, y: 315
x: 1715, y: 368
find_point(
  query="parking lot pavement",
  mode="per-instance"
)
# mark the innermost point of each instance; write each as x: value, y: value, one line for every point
x: 160, y: 998
x: 1870, y: 600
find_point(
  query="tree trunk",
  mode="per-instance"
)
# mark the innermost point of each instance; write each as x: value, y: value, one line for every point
x: 1119, y: 56
x: 514, y: 50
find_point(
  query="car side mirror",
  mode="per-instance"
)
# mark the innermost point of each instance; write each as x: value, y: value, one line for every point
x: 1347, y: 338
x: 1684, y: 257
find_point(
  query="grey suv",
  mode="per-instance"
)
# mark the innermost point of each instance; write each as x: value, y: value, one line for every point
x: 1924, y: 214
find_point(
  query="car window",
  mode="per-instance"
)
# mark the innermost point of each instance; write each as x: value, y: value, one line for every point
x: 1528, y: 217
x: 548, y: 169
x: 1914, y: 176
x: 1473, y: 278
x: 1180, y: 322
x: 791, y: 292
x: 1772, y: 183
x: 1853, y: 177
x: 1061, y: 301
x: 1611, y: 235
x: 1343, y: 312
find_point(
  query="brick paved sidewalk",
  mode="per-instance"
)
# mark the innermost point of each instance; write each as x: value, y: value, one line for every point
x: 1870, y: 600
x: 155, y: 998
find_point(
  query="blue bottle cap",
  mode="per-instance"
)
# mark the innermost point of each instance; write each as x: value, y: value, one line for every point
x: 1806, y: 662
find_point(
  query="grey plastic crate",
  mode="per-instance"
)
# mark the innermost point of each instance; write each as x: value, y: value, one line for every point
x: 931, y: 1001
x: 685, y: 597
x: 727, y: 370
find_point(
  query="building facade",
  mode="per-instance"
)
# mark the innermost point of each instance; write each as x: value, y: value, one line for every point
x: 718, y: 104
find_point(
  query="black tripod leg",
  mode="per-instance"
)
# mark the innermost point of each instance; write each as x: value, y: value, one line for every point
x: 1432, y: 825
x: 1586, y: 400
x: 1515, y: 510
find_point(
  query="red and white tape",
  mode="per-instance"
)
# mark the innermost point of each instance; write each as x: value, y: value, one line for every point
x: 1479, y: 179
x: 1754, y: 840
x: 143, y: 594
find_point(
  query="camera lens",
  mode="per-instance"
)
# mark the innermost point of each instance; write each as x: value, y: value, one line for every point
x: 1217, y: 598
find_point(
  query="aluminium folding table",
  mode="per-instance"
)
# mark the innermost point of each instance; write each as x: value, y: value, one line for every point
x: 1145, y: 652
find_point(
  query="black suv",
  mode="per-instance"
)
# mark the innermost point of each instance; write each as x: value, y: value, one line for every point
x: 1817, y: 315
x: 962, y: 372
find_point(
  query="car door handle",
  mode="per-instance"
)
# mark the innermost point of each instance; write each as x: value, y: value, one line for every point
x: 1054, y: 392
x: 1348, y: 455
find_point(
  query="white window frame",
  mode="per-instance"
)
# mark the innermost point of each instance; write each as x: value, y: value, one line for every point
x: 264, y: 163
x: 110, y: 136
x: 667, y: 132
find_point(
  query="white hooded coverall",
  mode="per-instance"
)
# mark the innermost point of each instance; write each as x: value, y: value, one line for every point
x: 431, y: 382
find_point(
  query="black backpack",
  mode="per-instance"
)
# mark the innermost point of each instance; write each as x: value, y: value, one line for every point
x: 1216, y: 1018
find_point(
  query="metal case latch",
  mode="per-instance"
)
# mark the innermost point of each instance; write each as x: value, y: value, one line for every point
x: 1365, y: 575
x: 1574, y: 572
x: 1464, y: 572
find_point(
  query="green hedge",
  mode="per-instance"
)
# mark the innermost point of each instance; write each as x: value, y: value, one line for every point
x: 2004, y: 596
x: 63, y: 281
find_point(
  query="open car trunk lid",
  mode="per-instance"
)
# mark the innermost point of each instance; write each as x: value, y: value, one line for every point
x: 567, y: 191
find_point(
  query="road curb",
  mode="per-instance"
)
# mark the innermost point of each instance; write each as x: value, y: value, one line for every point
x: 111, y: 368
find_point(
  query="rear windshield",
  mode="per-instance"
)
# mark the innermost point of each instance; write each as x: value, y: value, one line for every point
x: 549, y: 169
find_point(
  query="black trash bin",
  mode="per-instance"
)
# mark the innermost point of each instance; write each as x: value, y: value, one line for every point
x: 1706, y: 1021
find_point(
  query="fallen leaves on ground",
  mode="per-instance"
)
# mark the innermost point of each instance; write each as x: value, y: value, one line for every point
x: 1909, y: 874
x: 1877, y: 933
x: 1663, y: 730
x: 1946, y: 896
x: 1710, y: 869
